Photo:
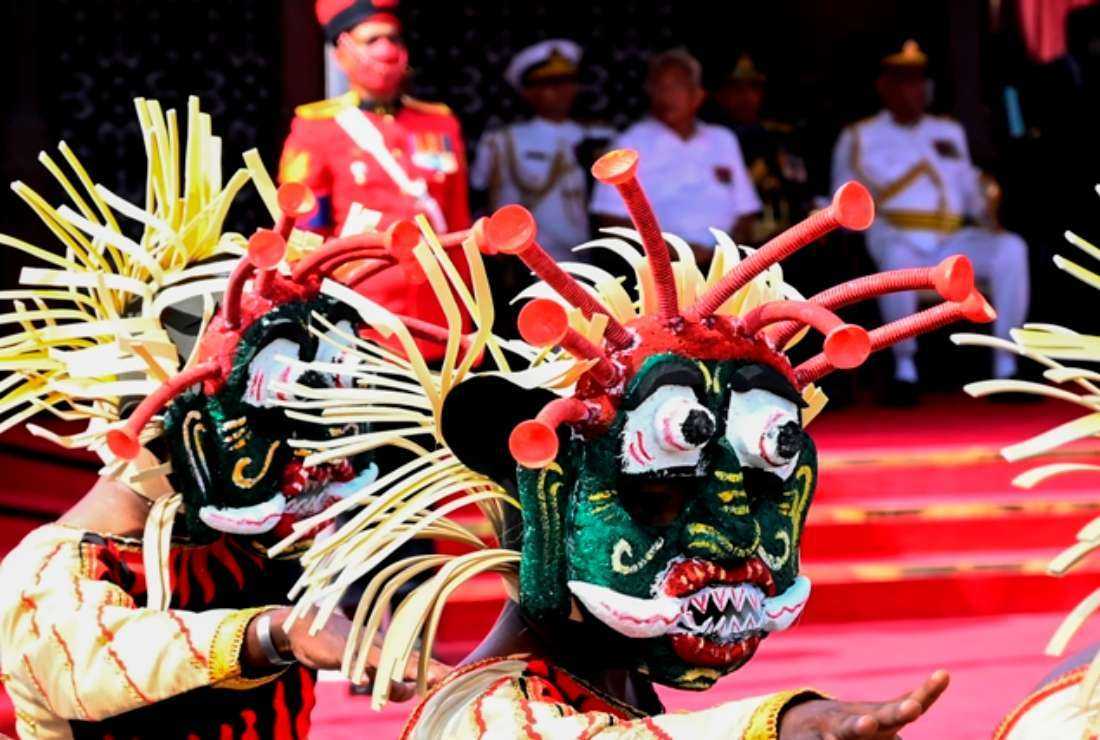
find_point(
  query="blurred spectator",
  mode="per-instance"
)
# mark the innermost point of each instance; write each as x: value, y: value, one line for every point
x: 918, y: 167
x: 693, y: 171
x: 537, y: 163
x: 1061, y: 107
x: 392, y: 154
x: 374, y: 156
x: 771, y: 150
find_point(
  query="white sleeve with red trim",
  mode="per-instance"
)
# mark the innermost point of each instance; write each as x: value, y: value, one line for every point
x: 496, y: 701
x: 72, y: 647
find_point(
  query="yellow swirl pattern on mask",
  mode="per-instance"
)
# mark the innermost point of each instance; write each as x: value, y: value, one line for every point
x: 241, y: 480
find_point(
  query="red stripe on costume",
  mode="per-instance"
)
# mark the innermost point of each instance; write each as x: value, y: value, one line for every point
x: 657, y: 731
x: 308, y: 702
x: 529, y: 718
x: 1054, y: 687
x: 187, y: 638
x: 72, y: 669
x: 281, y: 729
x: 126, y: 674
x: 223, y: 556
x: 249, y: 718
x: 410, y: 724
x: 201, y: 569
x: 181, y: 566
x: 479, y: 716
x: 106, y: 633
x: 79, y: 591
x: 30, y: 605
x: 38, y: 684
x: 46, y: 562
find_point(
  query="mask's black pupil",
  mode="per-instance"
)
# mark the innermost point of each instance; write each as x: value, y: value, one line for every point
x: 790, y: 440
x: 698, y: 427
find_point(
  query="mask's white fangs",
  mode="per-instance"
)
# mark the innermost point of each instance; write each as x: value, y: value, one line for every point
x: 749, y: 612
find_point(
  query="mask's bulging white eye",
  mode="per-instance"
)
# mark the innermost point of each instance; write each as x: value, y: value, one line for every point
x: 329, y: 350
x: 266, y: 368
x: 682, y: 424
x: 667, y: 430
x: 764, y: 430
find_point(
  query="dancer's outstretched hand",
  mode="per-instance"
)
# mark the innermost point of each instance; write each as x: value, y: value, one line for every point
x: 325, y: 650
x: 406, y: 689
x: 824, y: 719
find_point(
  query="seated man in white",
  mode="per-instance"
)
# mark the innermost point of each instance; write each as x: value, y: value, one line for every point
x: 539, y: 162
x: 926, y: 188
x: 694, y: 173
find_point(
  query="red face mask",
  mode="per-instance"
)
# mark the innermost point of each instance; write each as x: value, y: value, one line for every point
x: 378, y: 66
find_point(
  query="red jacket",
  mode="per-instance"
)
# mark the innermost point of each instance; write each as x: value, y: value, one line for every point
x: 425, y: 139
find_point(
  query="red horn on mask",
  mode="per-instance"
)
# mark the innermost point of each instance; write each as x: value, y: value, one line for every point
x: 534, y: 443
x: 125, y: 442
x: 544, y: 323
x: 852, y: 208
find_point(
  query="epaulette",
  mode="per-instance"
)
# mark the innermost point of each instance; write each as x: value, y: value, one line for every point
x: 862, y: 121
x: 323, y: 109
x: 423, y: 106
x: 778, y: 127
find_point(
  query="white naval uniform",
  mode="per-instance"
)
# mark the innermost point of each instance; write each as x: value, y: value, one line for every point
x: 924, y: 186
x: 693, y: 184
x: 533, y: 163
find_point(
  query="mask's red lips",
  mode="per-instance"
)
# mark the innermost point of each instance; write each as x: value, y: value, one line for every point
x: 688, y: 576
x: 301, y: 481
x: 701, y: 651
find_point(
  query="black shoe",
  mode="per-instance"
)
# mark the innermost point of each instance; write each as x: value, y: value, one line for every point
x: 359, y: 689
x: 901, y: 394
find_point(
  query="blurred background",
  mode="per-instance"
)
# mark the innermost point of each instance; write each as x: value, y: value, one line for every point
x: 998, y: 66
x: 914, y: 528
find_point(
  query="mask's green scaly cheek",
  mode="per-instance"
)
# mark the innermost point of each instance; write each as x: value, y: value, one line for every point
x: 543, y: 496
x: 606, y: 547
x: 782, y: 520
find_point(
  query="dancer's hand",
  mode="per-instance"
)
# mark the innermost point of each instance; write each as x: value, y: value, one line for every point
x: 823, y: 719
x: 406, y: 689
x: 321, y: 651
x: 325, y: 651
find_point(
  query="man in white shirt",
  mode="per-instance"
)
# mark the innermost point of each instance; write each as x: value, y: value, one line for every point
x: 925, y: 186
x: 694, y: 173
x: 534, y: 162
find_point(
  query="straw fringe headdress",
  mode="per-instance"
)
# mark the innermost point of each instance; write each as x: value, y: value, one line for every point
x: 1048, y: 344
x: 90, y: 322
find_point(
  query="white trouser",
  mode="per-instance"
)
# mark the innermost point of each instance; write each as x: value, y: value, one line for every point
x: 999, y: 259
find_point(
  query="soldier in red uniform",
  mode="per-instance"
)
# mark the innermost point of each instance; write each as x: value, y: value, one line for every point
x: 395, y: 155
x: 374, y: 156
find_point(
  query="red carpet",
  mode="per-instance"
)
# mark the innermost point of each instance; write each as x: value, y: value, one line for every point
x: 994, y: 662
x: 921, y: 553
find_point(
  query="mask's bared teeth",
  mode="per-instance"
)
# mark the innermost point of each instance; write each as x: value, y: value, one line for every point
x: 699, y: 601
x: 722, y: 597
x: 739, y: 597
